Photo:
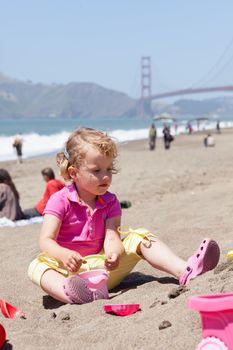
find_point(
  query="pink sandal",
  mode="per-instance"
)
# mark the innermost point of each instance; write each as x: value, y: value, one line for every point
x: 205, y: 259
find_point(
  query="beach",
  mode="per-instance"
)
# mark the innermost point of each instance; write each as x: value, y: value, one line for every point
x: 182, y: 195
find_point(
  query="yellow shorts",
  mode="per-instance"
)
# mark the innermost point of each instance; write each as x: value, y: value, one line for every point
x: 127, y: 262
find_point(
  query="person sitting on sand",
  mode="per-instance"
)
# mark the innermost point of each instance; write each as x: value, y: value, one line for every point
x: 209, y: 141
x: 9, y: 198
x: 84, y: 218
x: 52, y: 185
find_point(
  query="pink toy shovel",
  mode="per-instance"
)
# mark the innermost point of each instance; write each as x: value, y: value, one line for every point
x: 8, y: 310
x: 2, y: 335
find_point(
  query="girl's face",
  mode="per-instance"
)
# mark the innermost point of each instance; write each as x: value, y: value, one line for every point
x: 95, y: 174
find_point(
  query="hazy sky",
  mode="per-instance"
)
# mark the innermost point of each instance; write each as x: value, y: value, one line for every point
x: 102, y: 41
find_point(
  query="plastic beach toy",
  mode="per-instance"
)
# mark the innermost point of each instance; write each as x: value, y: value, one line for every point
x: 87, y: 286
x: 122, y: 309
x: 230, y: 255
x: 2, y: 335
x: 54, y: 264
x: 96, y: 280
x: 217, y: 320
x: 8, y: 310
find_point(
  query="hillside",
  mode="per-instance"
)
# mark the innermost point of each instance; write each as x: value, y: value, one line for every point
x: 218, y: 105
x: 73, y: 100
x: 25, y: 99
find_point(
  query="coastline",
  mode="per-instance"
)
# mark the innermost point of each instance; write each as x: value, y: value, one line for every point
x: 38, y: 144
x: 182, y: 195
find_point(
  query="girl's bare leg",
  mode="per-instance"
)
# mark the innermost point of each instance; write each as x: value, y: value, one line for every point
x: 52, y: 283
x: 161, y: 257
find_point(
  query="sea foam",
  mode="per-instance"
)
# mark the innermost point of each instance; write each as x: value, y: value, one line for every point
x: 37, y: 145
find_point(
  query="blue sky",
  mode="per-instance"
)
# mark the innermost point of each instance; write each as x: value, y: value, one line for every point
x: 102, y: 41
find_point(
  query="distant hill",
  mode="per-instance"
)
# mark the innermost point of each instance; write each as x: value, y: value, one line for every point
x: 73, y: 100
x: 25, y: 99
x: 219, y: 105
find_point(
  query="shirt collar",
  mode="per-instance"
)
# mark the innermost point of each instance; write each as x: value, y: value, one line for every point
x: 72, y: 195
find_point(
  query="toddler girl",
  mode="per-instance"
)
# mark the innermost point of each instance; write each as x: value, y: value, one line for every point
x: 83, y: 218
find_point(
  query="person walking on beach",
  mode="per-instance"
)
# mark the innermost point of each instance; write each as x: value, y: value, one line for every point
x: 152, y: 136
x: 84, y: 218
x: 52, y: 185
x: 190, y: 128
x: 9, y: 198
x: 18, y: 145
x: 167, y: 137
x: 218, y: 129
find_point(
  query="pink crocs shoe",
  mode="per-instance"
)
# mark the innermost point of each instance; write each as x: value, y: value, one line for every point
x: 205, y: 259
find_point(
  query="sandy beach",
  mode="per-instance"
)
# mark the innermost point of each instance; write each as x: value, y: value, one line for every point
x: 182, y: 195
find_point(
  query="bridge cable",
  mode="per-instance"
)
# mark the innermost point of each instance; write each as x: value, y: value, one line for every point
x: 202, y: 81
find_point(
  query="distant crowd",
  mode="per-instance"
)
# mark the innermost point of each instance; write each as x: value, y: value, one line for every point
x: 208, y: 140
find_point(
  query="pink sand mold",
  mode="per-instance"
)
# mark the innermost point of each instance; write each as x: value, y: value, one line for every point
x: 2, y: 335
x: 87, y: 286
x: 8, y: 310
x: 217, y: 320
x: 96, y: 280
x: 122, y: 309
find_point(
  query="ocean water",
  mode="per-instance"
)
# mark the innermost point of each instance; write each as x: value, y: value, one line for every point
x: 48, y: 135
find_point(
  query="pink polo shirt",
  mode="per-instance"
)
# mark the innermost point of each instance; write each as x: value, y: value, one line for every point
x: 80, y: 230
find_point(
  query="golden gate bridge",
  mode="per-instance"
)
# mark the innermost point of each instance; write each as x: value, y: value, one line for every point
x: 147, y: 96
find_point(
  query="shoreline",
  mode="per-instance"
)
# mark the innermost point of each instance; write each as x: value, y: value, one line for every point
x: 124, y: 143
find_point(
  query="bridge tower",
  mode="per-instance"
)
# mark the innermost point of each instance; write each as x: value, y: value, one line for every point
x: 145, y: 83
x: 145, y: 77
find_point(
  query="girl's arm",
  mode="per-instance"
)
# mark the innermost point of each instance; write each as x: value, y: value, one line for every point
x: 113, y: 246
x: 50, y: 228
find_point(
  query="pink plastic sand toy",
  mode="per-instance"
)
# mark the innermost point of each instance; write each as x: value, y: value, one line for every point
x: 96, y: 281
x: 8, y: 310
x: 122, y: 309
x: 2, y: 335
x: 217, y: 320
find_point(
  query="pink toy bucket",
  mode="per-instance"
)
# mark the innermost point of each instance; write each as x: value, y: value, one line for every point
x: 217, y: 320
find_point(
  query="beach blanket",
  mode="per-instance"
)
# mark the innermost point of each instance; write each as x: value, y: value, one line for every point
x: 7, y: 222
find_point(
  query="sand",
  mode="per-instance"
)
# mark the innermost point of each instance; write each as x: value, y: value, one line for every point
x: 182, y: 195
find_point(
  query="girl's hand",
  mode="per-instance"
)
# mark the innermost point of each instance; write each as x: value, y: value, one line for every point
x: 72, y: 260
x: 112, y: 261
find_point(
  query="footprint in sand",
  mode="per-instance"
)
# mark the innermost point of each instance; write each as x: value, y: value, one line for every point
x: 156, y: 302
x: 175, y: 292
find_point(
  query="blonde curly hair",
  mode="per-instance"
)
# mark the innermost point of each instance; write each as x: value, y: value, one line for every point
x: 77, y: 146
